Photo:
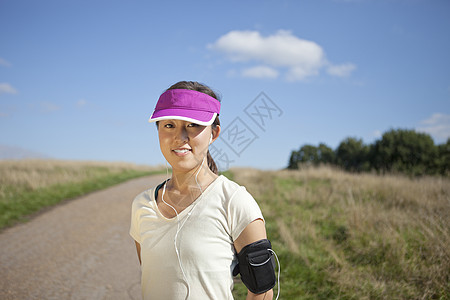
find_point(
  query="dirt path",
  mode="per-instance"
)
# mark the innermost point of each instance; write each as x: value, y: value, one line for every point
x: 77, y: 250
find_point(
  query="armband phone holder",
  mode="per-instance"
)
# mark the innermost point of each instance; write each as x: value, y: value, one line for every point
x: 257, y: 266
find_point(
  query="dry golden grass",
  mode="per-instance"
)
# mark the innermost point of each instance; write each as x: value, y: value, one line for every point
x: 364, y: 236
x: 34, y: 174
x: 26, y: 186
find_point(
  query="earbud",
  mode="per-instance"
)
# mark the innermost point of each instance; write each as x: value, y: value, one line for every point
x: 210, y: 140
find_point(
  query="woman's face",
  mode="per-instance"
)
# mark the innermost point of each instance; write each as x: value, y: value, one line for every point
x: 184, y: 144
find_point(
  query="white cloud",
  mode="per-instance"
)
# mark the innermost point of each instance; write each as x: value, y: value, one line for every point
x: 6, y: 88
x: 260, y: 72
x: 343, y: 70
x: 4, y: 63
x: 438, y: 126
x: 300, y: 73
x: 301, y: 58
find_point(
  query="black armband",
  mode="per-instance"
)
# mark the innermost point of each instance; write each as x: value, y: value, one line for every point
x: 257, y: 266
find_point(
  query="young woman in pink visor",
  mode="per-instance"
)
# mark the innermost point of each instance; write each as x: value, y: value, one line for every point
x: 196, y: 229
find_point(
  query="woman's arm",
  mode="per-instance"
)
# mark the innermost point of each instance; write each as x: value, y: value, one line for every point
x: 254, y: 231
x: 138, y: 249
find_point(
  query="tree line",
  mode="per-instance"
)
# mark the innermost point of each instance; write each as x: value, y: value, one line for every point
x: 397, y: 151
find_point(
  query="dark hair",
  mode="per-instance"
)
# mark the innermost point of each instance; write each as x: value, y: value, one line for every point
x: 199, y: 87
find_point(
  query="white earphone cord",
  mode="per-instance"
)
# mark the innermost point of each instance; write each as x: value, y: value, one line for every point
x: 279, y: 271
x: 178, y: 221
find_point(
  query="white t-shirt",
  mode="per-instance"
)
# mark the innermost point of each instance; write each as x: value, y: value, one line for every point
x: 205, y: 242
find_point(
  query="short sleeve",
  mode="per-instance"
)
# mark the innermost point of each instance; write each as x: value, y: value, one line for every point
x: 134, y: 228
x: 242, y: 210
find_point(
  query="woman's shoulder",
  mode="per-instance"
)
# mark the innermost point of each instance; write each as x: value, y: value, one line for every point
x: 232, y: 189
x: 228, y: 184
x: 145, y: 198
x: 225, y: 181
x: 151, y: 193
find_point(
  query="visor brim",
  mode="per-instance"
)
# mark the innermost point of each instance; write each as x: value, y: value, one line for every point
x: 198, y: 117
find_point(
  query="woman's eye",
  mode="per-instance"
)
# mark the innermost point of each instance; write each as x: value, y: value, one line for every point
x: 168, y: 126
x: 192, y: 125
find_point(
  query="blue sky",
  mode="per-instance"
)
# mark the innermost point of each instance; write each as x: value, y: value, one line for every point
x: 79, y: 79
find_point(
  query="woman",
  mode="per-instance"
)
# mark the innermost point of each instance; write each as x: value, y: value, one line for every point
x: 189, y: 228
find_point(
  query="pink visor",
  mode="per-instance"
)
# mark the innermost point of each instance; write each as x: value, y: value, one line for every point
x: 187, y: 105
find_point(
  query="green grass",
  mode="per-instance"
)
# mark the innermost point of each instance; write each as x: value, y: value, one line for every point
x: 348, y: 236
x: 22, y: 194
x: 337, y: 235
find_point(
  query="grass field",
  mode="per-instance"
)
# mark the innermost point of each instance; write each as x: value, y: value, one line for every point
x: 28, y: 186
x: 337, y: 235
x: 355, y: 236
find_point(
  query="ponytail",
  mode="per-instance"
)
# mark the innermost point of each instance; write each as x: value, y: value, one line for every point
x: 211, y: 164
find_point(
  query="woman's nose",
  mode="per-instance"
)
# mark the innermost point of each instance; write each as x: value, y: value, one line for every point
x: 182, y: 136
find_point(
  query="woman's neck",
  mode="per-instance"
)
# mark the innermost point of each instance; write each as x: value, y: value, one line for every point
x: 184, y: 182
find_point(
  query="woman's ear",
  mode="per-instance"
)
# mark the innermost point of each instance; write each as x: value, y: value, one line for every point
x: 214, y: 133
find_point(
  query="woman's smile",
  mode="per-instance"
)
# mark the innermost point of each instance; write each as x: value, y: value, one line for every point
x: 184, y: 144
x: 182, y: 151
